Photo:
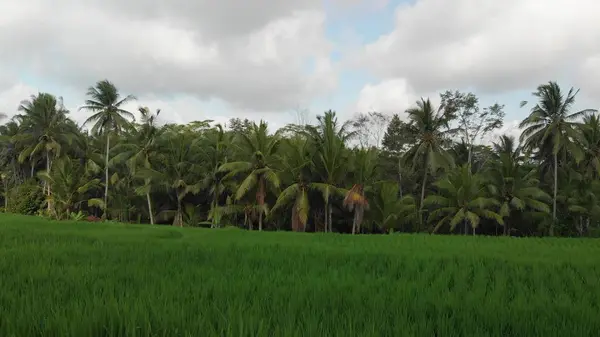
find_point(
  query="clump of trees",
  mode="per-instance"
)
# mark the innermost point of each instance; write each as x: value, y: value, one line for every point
x: 429, y: 172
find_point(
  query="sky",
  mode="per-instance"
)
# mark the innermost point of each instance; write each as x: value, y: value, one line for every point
x: 269, y: 59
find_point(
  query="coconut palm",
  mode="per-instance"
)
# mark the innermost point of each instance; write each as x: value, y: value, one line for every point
x: 70, y: 184
x: 139, y: 150
x: 429, y: 126
x: 514, y: 185
x: 48, y: 130
x: 109, y: 116
x: 551, y: 127
x: 177, y: 170
x: 330, y: 163
x: 463, y: 199
x: 296, y: 168
x: 365, y: 163
x: 215, y: 148
x: 258, y: 170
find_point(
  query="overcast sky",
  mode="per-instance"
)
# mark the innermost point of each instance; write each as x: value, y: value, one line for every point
x: 208, y: 59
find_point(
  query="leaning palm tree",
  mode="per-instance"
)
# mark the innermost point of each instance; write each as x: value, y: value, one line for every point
x: 429, y: 126
x: 106, y: 104
x: 259, y: 172
x: 462, y: 199
x: 551, y: 128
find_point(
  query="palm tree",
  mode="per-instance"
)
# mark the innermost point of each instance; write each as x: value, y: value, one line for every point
x: 106, y: 104
x: 590, y: 132
x: 215, y: 148
x: 177, y: 171
x: 329, y: 138
x: 258, y: 170
x: 296, y: 168
x: 140, y: 149
x: 551, y: 127
x: 365, y: 163
x: 48, y: 130
x: 71, y: 183
x: 515, y: 186
x: 429, y: 126
x: 462, y: 199
x: 389, y: 211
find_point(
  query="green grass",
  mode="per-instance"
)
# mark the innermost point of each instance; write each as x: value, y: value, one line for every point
x: 82, y: 279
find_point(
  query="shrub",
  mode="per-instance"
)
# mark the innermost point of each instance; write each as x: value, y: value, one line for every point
x: 26, y: 198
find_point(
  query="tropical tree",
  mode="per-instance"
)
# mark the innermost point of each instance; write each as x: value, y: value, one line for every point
x: 462, y: 199
x: 108, y: 116
x: 259, y: 171
x: 48, y: 129
x: 552, y: 127
x: 329, y: 139
x: 140, y: 149
x: 513, y: 184
x: 430, y: 127
x: 215, y: 148
x: 296, y: 165
x: 365, y: 163
x: 71, y: 183
x: 177, y: 170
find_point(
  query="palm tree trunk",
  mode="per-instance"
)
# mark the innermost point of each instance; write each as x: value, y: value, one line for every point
x: 178, y: 221
x: 326, y: 216
x: 555, y: 194
x: 260, y: 220
x: 400, y: 177
x: 422, y: 197
x: 354, y: 221
x: 150, y: 208
x: 106, y: 176
x: 47, y: 182
x: 330, y: 219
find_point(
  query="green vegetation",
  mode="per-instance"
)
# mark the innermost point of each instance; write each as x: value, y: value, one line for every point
x: 90, y: 279
x: 434, y: 169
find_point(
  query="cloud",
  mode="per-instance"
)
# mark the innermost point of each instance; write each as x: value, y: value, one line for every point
x: 264, y: 55
x: 11, y: 98
x: 489, y: 45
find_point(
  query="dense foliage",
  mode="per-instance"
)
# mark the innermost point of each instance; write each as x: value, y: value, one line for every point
x: 78, y: 279
x: 431, y: 171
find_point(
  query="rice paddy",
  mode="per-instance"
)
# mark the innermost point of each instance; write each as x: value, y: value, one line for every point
x: 91, y: 279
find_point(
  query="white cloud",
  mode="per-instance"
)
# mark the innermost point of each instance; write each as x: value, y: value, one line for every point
x: 488, y: 45
x: 11, y: 98
x: 254, y: 55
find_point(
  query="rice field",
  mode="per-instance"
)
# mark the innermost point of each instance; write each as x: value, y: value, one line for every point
x: 84, y: 279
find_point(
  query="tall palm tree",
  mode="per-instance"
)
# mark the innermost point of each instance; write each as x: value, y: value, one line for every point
x: 259, y: 172
x: 365, y: 163
x: 140, y: 149
x: 296, y: 169
x: 215, y: 148
x: 106, y: 104
x: 590, y: 132
x: 329, y: 139
x: 48, y: 129
x: 429, y: 126
x: 551, y: 127
x: 514, y: 185
x: 462, y: 199
x: 177, y: 170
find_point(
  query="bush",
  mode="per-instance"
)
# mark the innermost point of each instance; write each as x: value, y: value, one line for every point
x: 26, y: 198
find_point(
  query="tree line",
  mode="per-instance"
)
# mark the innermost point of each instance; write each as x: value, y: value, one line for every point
x: 427, y: 171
